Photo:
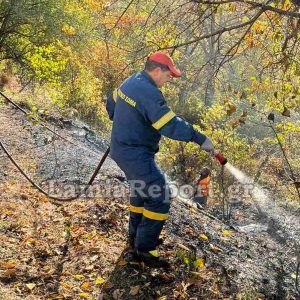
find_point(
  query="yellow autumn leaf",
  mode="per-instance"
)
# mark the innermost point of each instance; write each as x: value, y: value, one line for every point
x: 100, y: 280
x: 203, y: 237
x: 30, y: 286
x: 84, y: 295
x: 199, y: 263
x: 8, y: 212
x: 31, y: 241
x: 186, y: 261
x: 294, y: 276
x: 193, y: 210
x: 227, y: 233
x: 86, y: 286
x: 78, y: 276
x: 8, y: 265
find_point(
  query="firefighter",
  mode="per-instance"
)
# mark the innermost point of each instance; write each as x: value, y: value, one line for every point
x: 140, y: 116
x: 202, y: 187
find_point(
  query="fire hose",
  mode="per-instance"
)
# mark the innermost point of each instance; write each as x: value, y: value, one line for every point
x: 217, y: 155
x: 40, y: 189
x: 297, y: 283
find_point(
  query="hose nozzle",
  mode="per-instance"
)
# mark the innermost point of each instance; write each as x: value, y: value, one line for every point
x: 220, y: 158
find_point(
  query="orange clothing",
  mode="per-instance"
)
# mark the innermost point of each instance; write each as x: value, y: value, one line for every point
x: 203, y: 186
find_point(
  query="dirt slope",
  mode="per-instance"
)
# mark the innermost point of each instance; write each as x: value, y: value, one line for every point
x: 74, y: 251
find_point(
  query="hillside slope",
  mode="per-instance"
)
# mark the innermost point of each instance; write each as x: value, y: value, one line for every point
x: 74, y: 251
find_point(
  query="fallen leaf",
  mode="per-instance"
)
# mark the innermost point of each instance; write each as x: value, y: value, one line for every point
x: 30, y: 286
x: 195, y: 282
x: 107, y: 285
x: 86, y: 286
x: 9, y: 272
x: 78, y: 276
x: 118, y: 293
x: 84, y: 295
x: 183, y: 247
x: 8, y: 265
x: 242, y: 120
x: 89, y: 267
x: 231, y: 109
x: 66, y: 285
x: 122, y: 262
x: 227, y: 233
x: 244, y: 114
x: 235, y: 123
x: 100, y: 280
x: 199, y: 263
x: 203, y: 237
x: 7, y: 213
x: 197, y: 273
x: 31, y: 241
x: 215, y: 249
x: 193, y: 210
x: 134, y: 290
x: 186, y: 261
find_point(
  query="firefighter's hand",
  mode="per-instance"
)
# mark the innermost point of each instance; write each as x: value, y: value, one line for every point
x: 207, y: 145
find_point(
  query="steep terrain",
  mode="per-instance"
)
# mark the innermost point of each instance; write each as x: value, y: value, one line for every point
x: 75, y: 251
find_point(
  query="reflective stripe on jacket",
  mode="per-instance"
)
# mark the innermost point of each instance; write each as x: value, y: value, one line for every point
x: 140, y: 116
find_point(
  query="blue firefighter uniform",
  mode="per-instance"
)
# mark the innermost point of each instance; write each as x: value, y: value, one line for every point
x: 140, y: 116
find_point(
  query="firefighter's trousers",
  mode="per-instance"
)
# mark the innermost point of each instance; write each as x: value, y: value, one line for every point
x: 149, y: 201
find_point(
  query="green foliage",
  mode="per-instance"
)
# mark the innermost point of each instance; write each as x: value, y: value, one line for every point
x: 184, y: 160
x: 47, y: 63
x: 26, y: 24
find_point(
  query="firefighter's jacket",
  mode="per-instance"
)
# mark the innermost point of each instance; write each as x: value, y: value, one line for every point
x: 140, y: 116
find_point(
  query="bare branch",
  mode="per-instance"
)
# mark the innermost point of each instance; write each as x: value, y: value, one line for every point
x: 219, y: 32
x: 123, y: 13
x: 255, y: 4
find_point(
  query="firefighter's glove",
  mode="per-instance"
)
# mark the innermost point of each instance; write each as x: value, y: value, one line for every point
x: 203, y: 141
x: 207, y: 146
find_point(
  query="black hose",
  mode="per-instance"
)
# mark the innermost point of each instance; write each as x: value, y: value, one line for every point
x: 42, y: 123
x: 47, y: 194
x: 297, y: 277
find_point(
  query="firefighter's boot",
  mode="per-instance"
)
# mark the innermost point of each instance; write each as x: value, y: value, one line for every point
x: 152, y: 259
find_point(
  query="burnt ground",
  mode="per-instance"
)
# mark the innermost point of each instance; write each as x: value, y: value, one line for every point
x: 75, y: 251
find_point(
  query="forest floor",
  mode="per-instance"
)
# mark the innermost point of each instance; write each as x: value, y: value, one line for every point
x: 75, y: 250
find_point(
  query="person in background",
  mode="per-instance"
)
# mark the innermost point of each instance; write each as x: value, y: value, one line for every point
x: 202, y: 187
